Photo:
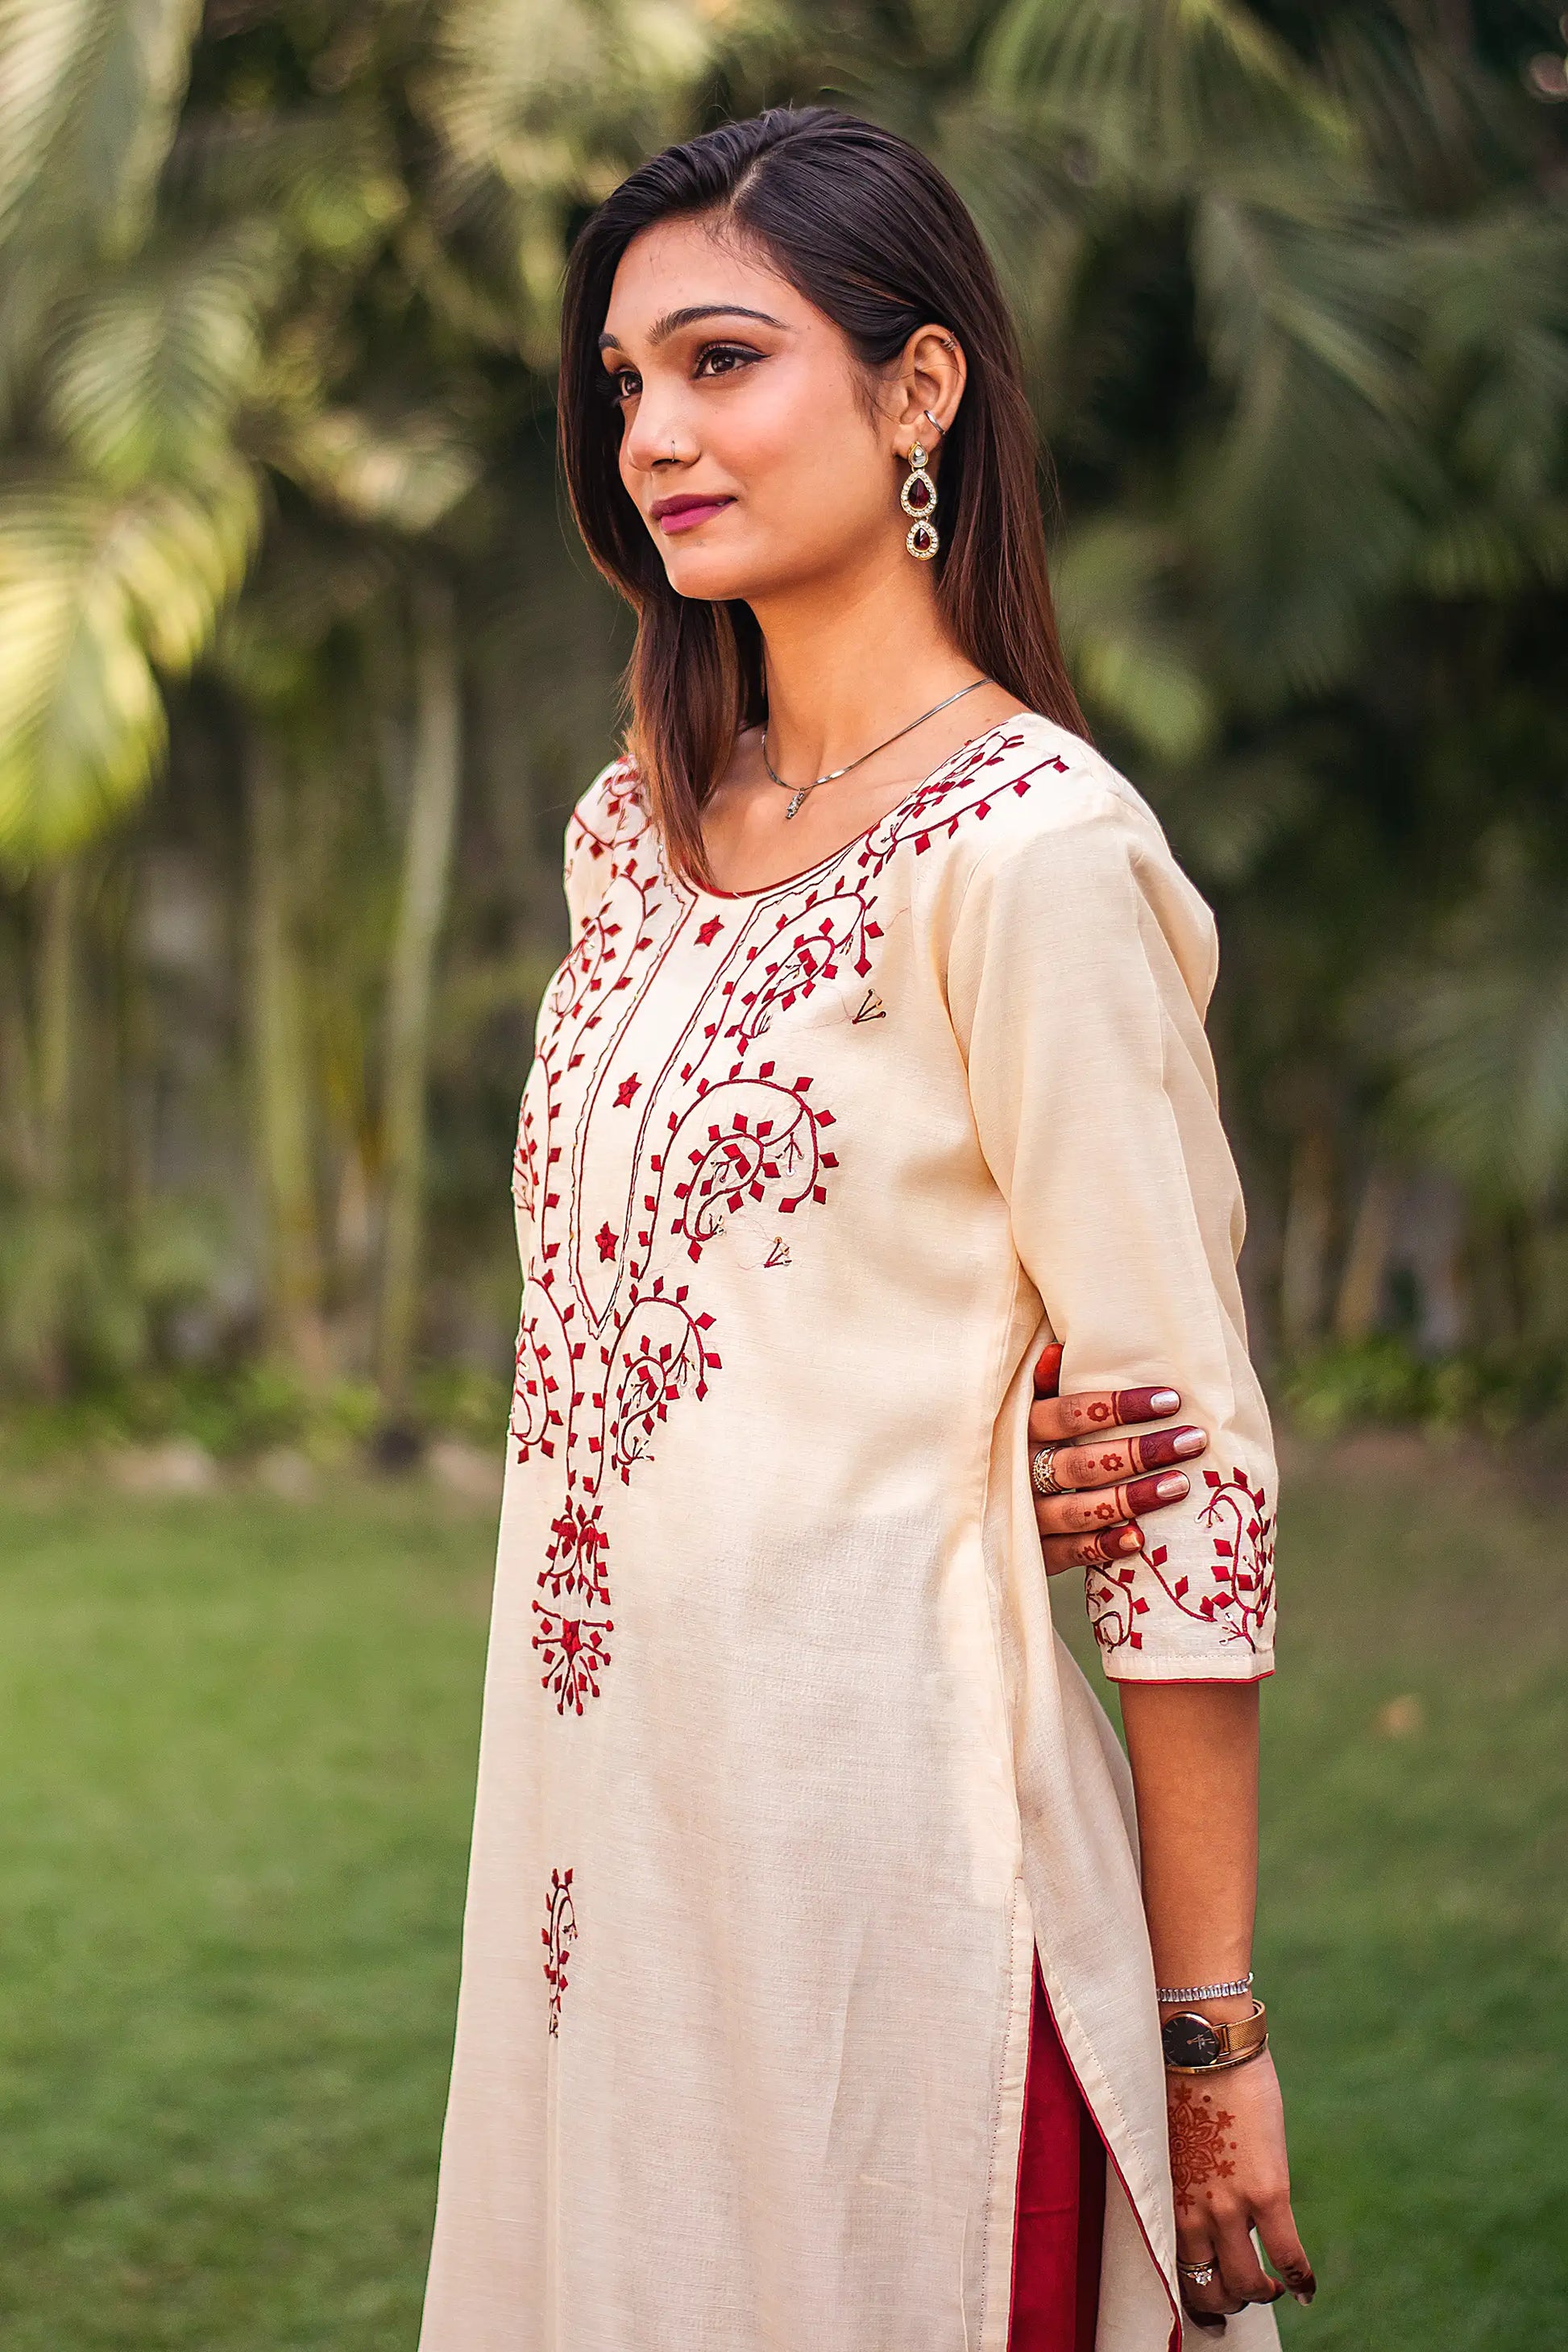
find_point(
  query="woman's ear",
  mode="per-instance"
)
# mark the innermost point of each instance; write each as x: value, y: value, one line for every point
x: 928, y: 386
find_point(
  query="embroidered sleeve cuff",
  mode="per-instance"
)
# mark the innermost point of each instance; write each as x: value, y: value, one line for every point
x: 1199, y: 1605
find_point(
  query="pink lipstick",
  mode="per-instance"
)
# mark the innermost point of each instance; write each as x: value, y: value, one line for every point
x: 687, y: 510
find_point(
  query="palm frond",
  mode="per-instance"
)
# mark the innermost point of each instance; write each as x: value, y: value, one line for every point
x: 1426, y: 120
x: 558, y: 96
x: 47, y: 48
x: 1017, y: 179
x: 147, y: 371
x: 311, y: 578
x: 1228, y: 813
x: 97, y: 595
x: 1312, y: 501
x: 89, y: 90
x: 1162, y: 86
x: 555, y: 103
x: 1496, y: 551
x: 1496, y: 341
x: 1116, y: 591
x: 405, y: 471
x: 1482, y: 1030
x: 327, y: 175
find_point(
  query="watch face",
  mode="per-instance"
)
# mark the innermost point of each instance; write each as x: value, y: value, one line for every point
x: 1190, y: 2040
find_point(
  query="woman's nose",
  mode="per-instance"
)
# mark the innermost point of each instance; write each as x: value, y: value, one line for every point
x: 654, y: 437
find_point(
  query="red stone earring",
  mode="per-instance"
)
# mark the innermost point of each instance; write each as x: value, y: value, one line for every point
x: 918, y: 500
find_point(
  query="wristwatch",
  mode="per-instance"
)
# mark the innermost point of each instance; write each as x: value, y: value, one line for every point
x: 1194, y: 2045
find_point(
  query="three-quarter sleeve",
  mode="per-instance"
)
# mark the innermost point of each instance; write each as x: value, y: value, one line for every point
x: 1080, y: 964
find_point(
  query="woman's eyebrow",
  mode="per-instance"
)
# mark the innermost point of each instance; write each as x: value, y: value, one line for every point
x: 673, y: 320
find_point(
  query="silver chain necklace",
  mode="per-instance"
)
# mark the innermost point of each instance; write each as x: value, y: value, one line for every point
x: 799, y: 793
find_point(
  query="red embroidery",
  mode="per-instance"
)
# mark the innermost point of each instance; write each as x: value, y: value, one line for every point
x: 560, y: 1933
x: 599, y: 1368
x: 609, y: 1339
x: 1239, y: 1598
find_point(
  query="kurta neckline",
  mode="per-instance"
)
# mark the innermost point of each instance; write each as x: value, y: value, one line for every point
x: 809, y: 873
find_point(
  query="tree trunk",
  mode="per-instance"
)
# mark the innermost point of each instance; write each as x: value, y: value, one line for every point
x: 1304, y: 1255
x: 1359, y: 1306
x: 59, y: 1022
x: 19, y: 1070
x: 435, y: 771
x: 281, y: 1074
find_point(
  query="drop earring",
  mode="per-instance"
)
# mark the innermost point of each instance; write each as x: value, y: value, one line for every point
x: 918, y: 500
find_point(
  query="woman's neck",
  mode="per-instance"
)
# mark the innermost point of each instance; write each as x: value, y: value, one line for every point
x: 848, y: 668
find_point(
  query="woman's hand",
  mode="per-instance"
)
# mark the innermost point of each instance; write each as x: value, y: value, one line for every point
x: 1228, y: 2129
x: 1228, y: 2168
x: 1111, y: 1478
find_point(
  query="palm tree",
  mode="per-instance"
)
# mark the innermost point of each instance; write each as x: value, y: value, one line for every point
x: 1344, y: 450
x: 277, y: 319
x: 169, y: 347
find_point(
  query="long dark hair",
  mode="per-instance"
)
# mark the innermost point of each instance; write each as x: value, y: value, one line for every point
x: 866, y: 227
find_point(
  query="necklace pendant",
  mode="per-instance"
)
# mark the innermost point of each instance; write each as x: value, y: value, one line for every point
x: 796, y: 799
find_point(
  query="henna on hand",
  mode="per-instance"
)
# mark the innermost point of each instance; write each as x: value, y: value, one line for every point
x: 1200, y: 2151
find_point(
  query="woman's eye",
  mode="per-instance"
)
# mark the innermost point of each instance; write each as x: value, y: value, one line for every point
x: 624, y: 383
x: 723, y: 359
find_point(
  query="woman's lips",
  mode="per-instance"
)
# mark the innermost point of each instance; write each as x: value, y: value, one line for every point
x: 686, y: 513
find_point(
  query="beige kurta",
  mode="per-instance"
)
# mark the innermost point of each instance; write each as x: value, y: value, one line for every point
x: 783, y: 1771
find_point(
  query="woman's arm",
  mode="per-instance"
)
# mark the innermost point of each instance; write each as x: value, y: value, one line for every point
x: 1079, y: 974
x: 1193, y: 1752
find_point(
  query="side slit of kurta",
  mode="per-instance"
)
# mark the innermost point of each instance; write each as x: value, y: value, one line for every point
x: 1059, y: 2229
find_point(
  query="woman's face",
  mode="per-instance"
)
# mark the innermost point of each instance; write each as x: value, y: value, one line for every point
x: 747, y: 442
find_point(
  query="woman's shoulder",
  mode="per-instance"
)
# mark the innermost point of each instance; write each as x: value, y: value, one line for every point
x: 607, y: 817
x: 1037, y: 778
x: 1041, y: 827
x: 602, y: 811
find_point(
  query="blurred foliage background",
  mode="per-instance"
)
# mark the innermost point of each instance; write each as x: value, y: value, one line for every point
x: 301, y: 669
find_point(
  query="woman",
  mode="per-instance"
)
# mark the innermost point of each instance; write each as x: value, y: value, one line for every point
x: 810, y: 1996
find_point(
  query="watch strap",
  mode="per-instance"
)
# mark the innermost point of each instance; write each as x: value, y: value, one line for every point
x: 1231, y: 2045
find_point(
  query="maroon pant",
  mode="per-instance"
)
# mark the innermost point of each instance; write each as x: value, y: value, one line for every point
x: 1061, y: 2201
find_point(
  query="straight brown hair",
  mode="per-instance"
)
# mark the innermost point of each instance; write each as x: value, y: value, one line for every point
x: 866, y: 228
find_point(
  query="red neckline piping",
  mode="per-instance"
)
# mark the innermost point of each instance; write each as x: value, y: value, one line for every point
x: 786, y: 881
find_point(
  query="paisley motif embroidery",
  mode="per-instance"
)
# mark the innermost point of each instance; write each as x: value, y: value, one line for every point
x: 560, y: 1933
x: 1238, y: 1594
x: 612, y: 1335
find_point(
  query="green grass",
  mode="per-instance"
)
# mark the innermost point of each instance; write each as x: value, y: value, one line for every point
x: 237, y: 1745
x: 1416, y: 1923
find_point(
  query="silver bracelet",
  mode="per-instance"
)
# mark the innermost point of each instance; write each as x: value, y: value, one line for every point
x: 1232, y: 1992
